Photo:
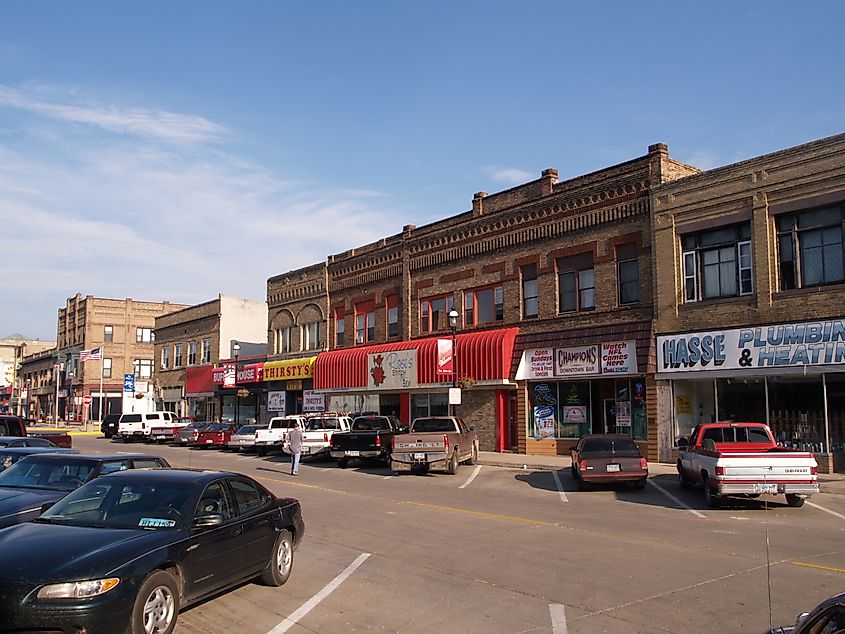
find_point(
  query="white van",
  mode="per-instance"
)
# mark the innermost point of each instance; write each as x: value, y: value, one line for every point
x: 137, y: 426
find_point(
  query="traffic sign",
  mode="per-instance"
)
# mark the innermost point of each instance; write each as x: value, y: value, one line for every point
x: 128, y: 382
x: 86, y: 400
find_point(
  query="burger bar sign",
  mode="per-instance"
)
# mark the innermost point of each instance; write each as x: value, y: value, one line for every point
x: 618, y: 357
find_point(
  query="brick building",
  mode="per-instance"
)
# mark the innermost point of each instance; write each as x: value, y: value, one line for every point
x: 750, y: 302
x: 38, y: 384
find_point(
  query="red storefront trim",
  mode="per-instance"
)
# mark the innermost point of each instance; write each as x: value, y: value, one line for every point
x: 482, y: 356
x: 199, y: 380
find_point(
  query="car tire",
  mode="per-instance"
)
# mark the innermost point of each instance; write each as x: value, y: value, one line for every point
x: 452, y: 465
x: 583, y: 485
x: 473, y: 455
x: 235, y: 449
x: 281, y: 561
x: 126, y: 439
x: 343, y: 463
x: 712, y: 500
x: 794, y: 500
x: 261, y: 451
x: 107, y: 435
x: 640, y: 484
x: 157, y: 602
x: 683, y: 481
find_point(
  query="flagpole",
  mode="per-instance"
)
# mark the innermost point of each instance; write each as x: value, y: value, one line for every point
x: 102, y: 395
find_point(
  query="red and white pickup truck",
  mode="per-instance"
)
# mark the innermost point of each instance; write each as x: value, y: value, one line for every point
x: 744, y: 459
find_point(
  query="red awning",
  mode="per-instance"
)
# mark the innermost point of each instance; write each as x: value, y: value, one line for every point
x: 482, y: 356
x: 199, y: 380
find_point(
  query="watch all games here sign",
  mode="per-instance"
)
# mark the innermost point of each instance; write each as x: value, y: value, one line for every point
x: 615, y: 357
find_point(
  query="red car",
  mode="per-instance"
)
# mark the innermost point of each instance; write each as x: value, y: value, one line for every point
x: 216, y: 435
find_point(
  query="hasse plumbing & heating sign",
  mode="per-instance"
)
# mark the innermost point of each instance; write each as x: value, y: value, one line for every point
x: 810, y: 343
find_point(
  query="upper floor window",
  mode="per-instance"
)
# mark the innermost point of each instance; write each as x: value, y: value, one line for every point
x: 310, y: 336
x: 810, y: 248
x: 165, y: 357
x: 434, y: 313
x: 192, y: 353
x: 392, y: 316
x: 717, y: 263
x: 177, y: 356
x: 530, y: 292
x: 282, y: 340
x: 339, y: 327
x: 483, y: 306
x: 108, y: 334
x: 628, y: 273
x: 107, y: 368
x: 206, y: 350
x: 576, y: 279
x: 144, y: 335
x: 143, y: 368
x: 365, y: 322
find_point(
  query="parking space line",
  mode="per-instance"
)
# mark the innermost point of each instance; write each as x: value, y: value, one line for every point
x: 563, y: 497
x: 558, y: 614
x: 801, y: 563
x: 676, y: 500
x: 309, y: 605
x: 471, y: 478
x: 821, y: 508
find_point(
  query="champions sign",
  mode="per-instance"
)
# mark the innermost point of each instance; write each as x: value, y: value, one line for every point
x: 812, y: 343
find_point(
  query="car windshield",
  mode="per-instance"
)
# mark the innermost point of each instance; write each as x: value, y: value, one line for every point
x: 322, y: 423
x: 5, y: 443
x: 47, y: 473
x: 247, y: 430
x: 422, y: 425
x: 116, y: 503
x: 370, y: 423
x: 220, y: 427
x: 130, y: 418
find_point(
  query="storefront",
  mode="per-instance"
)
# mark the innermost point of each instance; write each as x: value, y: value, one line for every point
x: 791, y: 376
x: 598, y: 386
x: 290, y: 386
x: 200, y: 392
x: 410, y: 379
x: 242, y: 393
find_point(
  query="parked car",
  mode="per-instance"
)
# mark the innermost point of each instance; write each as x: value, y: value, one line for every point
x: 216, y: 435
x: 169, y: 431
x: 744, y: 459
x: 828, y: 617
x: 12, y: 425
x: 127, y: 551
x: 274, y: 434
x: 608, y: 458
x: 109, y: 425
x: 243, y: 438
x: 27, y: 441
x: 371, y: 437
x: 435, y: 442
x: 319, y: 429
x: 58, y: 438
x: 37, y: 481
x: 189, y: 433
x: 10, y: 455
x: 138, y: 426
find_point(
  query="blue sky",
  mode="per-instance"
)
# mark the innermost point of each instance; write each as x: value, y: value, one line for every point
x: 174, y: 150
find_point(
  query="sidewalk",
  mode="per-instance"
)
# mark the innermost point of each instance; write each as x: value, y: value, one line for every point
x: 828, y: 482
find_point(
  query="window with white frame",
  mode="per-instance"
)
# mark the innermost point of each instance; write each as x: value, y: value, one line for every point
x: 810, y: 248
x: 206, y: 350
x: 576, y: 280
x: 717, y: 263
x: 310, y: 336
x: 107, y: 363
x: 282, y: 338
x: 365, y: 322
x: 144, y: 335
x: 530, y: 291
x: 108, y: 334
x: 484, y: 306
x: 192, y: 353
x: 392, y: 316
x: 177, y: 355
x: 143, y: 368
x: 339, y: 328
x: 165, y: 357
x: 628, y: 273
x: 434, y: 313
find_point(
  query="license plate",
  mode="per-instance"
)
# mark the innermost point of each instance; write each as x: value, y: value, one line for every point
x: 208, y: 442
x: 306, y: 450
x: 353, y: 453
x: 419, y: 456
x: 766, y: 488
x: 613, y: 468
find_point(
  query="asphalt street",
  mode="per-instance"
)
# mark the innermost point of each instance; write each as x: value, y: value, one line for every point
x: 505, y: 550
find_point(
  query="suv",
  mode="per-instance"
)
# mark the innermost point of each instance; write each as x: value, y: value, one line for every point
x: 109, y: 425
x: 138, y: 426
x: 12, y: 425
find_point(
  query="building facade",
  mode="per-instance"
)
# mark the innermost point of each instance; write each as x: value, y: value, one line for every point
x: 37, y: 374
x: 12, y: 387
x: 750, y: 290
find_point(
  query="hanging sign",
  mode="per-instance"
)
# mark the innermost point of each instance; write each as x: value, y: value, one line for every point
x: 275, y: 401
x: 313, y: 401
x: 445, y: 358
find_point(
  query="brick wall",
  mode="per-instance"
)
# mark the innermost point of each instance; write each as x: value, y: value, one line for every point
x: 478, y: 409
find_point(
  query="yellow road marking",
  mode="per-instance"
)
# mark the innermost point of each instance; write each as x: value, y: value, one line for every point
x: 300, y: 484
x: 493, y: 516
x: 799, y: 563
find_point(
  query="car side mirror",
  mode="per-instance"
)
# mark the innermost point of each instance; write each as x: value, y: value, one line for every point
x: 46, y: 506
x: 682, y: 443
x: 208, y: 519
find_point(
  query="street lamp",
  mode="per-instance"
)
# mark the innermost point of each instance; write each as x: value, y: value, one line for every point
x: 236, y: 348
x: 453, y: 324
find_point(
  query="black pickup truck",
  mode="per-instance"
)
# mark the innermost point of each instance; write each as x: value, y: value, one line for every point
x: 371, y: 437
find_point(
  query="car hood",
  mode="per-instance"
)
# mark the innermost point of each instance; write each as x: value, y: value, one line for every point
x: 41, y: 553
x: 13, y: 501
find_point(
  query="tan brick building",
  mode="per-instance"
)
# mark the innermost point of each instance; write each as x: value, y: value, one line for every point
x: 38, y: 384
x: 750, y: 281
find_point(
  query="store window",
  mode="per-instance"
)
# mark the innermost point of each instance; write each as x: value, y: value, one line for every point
x: 717, y: 263
x: 484, y: 306
x: 436, y: 404
x: 530, y: 291
x: 144, y: 335
x: 392, y: 316
x: 143, y: 368
x: 282, y: 340
x: 339, y: 327
x: 107, y: 368
x: 434, y: 313
x: 165, y: 357
x: 192, y: 353
x: 576, y: 283
x: 310, y: 335
x: 177, y: 355
x: 365, y: 322
x: 206, y: 350
x: 108, y: 334
x: 628, y: 273
x: 810, y: 248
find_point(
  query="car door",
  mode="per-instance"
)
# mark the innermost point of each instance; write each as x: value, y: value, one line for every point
x: 256, y: 515
x: 213, y: 555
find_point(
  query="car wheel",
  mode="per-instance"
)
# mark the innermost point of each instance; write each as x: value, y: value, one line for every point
x: 281, y: 561
x: 473, y: 456
x: 683, y: 481
x: 452, y: 466
x: 235, y: 449
x: 156, y: 605
x: 343, y: 463
x: 107, y: 434
x: 711, y: 499
x: 262, y: 451
x: 583, y: 485
x: 126, y: 439
x: 640, y: 484
x: 794, y: 500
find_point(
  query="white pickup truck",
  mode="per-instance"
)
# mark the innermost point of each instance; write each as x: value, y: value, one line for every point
x: 275, y: 433
x: 317, y: 437
x: 743, y: 459
x: 138, y: 426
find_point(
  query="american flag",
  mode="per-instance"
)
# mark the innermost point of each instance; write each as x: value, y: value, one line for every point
x: 91, y: 355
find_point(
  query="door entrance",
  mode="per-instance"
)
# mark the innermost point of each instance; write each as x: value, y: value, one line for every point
x: 609, y: 415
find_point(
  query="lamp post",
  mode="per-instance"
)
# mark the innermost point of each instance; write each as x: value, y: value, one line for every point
x: 453, y: 324
x: 236, y: 348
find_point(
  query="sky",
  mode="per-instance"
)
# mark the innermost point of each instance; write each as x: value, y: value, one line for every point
x: 166, y: 150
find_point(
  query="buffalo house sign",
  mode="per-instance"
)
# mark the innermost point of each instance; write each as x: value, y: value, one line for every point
x: 617, y: 357
x: 395, y: 370
x: 810, y: 343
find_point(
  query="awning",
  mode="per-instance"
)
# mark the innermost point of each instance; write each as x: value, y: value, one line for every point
x: 289, y: 369
x: 199, y: 380
x: 481, y: 356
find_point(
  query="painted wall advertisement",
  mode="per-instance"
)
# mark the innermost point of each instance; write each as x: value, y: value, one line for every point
x: 275, y: 401
x: 616, y: 357
x: 395, y: 370
x: 812, y: 343
x: 313, y: 401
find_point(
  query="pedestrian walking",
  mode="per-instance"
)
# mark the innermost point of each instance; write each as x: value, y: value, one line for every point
x: 295, y: 444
